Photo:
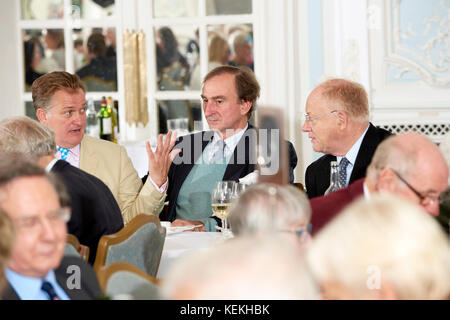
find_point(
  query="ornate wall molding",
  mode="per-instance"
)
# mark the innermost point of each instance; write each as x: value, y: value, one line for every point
x: 423, y: 47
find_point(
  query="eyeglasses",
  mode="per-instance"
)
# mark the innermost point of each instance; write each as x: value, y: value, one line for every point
x: 33, y: 223
x: 309, y: 118
x: 424, y: 199
x: 300, y: 232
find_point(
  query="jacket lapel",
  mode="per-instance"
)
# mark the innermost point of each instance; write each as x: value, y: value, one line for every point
x: 9, y: 293
x: 244, y: 156
x: 88, y: 159
x: 368, y: 146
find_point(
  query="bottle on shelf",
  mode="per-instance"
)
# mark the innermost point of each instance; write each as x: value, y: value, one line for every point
x: 105, y: 121
x: 334, y: 178
x: 92, y: 124
x: 114, y: 123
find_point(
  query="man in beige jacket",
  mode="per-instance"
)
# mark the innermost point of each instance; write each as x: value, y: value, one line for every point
x: 60, y: 103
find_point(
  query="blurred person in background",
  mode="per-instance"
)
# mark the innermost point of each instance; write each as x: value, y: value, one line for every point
x: 33, y: 52
x: 168, y: 57
x: 100, y: 74
x: 79, y: 53
x: 242, y: 51
x: 173, y: 72
x: 110, y: 38
x: 383, y: 248
x: 219, y: 53
x: 56, y: 61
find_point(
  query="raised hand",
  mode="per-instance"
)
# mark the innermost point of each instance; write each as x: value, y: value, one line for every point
x: 159, y: 161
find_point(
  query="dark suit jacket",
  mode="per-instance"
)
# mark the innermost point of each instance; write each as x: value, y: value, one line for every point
x: 325, y: 208
x: 95, y: 211
x: 240, y: 164
x: 89, y: 287
x: 317, y: 176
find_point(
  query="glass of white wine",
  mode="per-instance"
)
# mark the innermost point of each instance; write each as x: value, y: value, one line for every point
x: 221, y: 198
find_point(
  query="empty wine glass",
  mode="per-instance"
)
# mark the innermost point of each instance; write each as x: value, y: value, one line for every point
x: 238, y: 189
x: 221, y: 198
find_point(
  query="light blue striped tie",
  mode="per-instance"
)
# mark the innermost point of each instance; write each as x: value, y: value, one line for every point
x: 343, y: 172
x: 64, y: 152
x: 219, y: 152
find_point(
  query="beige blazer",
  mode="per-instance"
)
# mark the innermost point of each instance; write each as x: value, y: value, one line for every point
x: 110, y: 163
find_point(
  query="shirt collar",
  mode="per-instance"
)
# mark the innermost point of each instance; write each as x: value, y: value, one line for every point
x: 230, y: 142
x: 50, y: 165
x: 73, y: 156
x: 28, y: 288
x: 75, y: 151
x: 353, y: 152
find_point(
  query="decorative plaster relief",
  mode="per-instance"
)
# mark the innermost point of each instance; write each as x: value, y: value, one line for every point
x: 352, y: 60
x: 420, y: 47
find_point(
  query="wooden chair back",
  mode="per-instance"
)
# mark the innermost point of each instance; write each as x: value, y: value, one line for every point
x: 82, y: 250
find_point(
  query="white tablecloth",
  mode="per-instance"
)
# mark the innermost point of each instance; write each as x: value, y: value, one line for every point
x: 181, y: 243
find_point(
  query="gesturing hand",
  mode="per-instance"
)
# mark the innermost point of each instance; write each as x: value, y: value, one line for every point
x: 160, y: 160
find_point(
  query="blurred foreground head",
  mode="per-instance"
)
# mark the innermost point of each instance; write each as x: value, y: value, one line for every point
x: 36, y: 202
x: 412, y: 166
x: 241, y: 269
x: 268, y: 208
x: 382, y: 248
x: 6, y: 243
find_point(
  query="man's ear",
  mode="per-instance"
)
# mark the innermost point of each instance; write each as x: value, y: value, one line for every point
x: 41, y: 114
x: 246, y: 105
x: 342, y: 119
x: 387, y: 181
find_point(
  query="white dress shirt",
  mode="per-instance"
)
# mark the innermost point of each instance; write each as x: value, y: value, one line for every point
x: 351, y: 155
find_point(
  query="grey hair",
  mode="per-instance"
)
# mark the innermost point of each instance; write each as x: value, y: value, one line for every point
x: 26, y: 136
x: 13, y: 166
x: 389, y: 237
x: 267, y: 207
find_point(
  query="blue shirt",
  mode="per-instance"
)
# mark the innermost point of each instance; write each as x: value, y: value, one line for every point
x: 29, y: 288
x: 352, y: 154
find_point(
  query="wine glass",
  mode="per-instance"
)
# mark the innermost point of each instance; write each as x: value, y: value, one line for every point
x: 221, y: 198
x: 238, y: 189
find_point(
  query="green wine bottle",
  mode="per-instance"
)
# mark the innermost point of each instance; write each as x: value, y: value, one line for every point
x: 105, y: 121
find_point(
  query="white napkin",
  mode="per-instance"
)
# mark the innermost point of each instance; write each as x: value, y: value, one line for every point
x: 251, y: 178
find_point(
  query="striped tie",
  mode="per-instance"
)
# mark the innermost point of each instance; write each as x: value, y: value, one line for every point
x: 343, y: 172
x: 219, y: 152
x: 64, y: 152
